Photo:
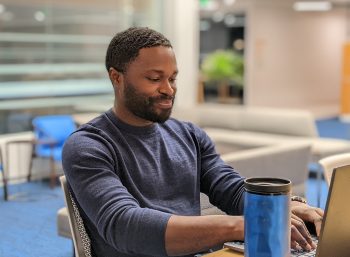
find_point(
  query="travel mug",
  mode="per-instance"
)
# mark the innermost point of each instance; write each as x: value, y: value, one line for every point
x: 267, y: 217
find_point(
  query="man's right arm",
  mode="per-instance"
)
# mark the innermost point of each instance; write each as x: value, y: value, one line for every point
x: 90, y: 166
x: 186, y: 234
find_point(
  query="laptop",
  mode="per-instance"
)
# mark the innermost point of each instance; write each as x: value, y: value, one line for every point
x: 334, y: 240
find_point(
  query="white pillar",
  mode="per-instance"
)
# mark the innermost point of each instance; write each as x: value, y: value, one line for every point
x: 180, y: 25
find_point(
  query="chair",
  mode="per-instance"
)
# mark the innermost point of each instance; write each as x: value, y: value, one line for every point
x: 5, y: 162
x: 50, y: 134
x: 81, y: 240
x: 2, y: 171
x: 331, y: 162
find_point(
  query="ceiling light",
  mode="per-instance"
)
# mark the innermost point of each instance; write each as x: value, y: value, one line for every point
x: 238, y: 44
x: 230, y: 20
x: 2, y: 8
x: 39, y: 16
x: 218, y: 16
x: 229, y: 2
x: 303, y: 6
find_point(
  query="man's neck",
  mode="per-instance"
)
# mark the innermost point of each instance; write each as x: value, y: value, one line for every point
x: 129, y: 118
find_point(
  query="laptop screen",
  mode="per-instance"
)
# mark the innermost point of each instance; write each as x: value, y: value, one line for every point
x: 335, y: 232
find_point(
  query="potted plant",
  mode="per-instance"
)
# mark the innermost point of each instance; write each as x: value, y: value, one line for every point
x: 223, y: 68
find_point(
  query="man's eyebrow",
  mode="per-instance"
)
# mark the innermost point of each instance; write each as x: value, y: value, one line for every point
x: 162, y: 72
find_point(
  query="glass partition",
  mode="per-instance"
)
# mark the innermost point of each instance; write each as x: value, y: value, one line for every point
x: 56, y: 49
x: 46, y: 42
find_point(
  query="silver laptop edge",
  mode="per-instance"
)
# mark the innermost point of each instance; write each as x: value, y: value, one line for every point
x: 334, y: 238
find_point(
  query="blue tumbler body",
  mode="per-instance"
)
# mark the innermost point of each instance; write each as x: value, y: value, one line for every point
x: 267, y: 218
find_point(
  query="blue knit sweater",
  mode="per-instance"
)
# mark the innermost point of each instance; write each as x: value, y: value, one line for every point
x: 128, y: 181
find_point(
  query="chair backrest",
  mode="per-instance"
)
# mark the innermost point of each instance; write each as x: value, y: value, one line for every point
x: 81, y: 240
x: 54, y: 128
x: 58, y: 127
x: 2, y: 169
x: 288, y: 160
x: 2, y: 172
x: 1, y: 162
x: 331, y: 162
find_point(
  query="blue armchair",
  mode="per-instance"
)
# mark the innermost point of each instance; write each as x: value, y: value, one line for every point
x: 50, y: 133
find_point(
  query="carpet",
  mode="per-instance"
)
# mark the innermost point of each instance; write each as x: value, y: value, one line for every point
x: 28, y: 222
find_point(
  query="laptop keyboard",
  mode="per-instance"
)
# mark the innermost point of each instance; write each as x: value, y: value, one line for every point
x: 239, y: 246
x: 303, y: 253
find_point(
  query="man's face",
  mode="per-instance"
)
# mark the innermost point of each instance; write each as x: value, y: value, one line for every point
x: 149, y: 85
x: 145, y: 107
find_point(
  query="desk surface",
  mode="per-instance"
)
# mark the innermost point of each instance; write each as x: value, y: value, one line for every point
x: 225, y: 253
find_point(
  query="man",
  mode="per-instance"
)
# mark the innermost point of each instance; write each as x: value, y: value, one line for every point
x: 137, y: 174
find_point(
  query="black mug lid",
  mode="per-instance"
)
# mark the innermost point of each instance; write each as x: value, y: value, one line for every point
x: 267, y: 185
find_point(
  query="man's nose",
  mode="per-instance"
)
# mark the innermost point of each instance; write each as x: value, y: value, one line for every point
x: 167, y: 88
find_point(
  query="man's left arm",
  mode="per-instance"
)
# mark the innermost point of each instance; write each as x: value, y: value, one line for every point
x: 221, y: 182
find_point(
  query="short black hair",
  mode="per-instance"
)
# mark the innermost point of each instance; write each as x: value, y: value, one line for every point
x: 125, y: 46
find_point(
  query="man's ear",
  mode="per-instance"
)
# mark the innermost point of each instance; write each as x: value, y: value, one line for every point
x: 115, y: 77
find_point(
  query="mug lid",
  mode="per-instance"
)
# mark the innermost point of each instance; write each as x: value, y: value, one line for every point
x: 267, y: 185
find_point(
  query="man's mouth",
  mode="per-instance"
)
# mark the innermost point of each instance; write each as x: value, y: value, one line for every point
x: 164, y: 103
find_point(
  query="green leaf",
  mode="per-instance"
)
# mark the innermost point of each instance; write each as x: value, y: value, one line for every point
x: 223, y: 65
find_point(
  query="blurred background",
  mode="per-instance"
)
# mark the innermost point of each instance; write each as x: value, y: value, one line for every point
x: 248, y: 52
x: 281, y: 54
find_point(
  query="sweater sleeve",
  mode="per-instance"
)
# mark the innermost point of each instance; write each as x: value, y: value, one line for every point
x: 222, y: 183
x: 90, y: 170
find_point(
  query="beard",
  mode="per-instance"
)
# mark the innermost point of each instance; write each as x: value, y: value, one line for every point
x: 143, y: 106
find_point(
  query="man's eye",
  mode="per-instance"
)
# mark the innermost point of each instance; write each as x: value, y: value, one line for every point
x: 154, y: 79
x: 172, y: 80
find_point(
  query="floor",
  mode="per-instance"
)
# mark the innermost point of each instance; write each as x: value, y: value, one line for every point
x: 28, y: 222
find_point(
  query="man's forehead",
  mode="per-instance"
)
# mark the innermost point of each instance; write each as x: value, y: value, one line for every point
x: 156, y: 59
x: 155, y: 50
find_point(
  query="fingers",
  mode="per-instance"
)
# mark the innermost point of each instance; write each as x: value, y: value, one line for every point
x: 318, y: 224
x: 310, y: 214
x: 319, y: 211
x: 295, y: 245
x: 298, y: 240
x: 316, y: 216
x: 300, y: 235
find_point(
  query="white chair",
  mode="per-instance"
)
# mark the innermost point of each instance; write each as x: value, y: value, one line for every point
x: 81, y: 240
x: 331, y: 162
x: 2, y: 171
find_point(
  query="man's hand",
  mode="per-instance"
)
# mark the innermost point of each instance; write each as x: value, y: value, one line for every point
x: 301, y: 213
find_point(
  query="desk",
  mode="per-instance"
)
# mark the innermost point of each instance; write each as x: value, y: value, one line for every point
x: 225, y: 253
